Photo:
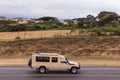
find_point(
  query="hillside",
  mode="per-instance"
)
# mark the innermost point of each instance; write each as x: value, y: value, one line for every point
x: 77, y: 47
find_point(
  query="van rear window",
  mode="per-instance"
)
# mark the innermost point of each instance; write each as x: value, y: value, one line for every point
x: 42, y: 59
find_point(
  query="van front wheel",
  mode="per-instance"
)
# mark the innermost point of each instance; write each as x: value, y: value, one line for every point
x: 42, y: 70
x: 74, y: 70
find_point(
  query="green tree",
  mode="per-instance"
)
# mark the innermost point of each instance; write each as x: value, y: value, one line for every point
x: 107, y: 17
x: 83, y: 23
x: 91, y: 20
x: 48, y: 18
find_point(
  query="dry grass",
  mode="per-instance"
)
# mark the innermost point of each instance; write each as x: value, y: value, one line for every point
x: 77, y: 47
x: 13, y: 62
x: 33, y: 34
x: 100, y: 62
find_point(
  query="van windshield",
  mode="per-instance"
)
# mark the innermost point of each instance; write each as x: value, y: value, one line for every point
x: 64, y: 60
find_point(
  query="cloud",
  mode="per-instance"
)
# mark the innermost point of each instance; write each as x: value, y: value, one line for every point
x: 57, y: 8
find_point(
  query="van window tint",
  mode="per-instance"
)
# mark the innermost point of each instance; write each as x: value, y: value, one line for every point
x: 54, y: 59
x: 42, y: 59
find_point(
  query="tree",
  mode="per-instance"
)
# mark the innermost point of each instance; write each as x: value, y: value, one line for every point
x: 91, y: 17
x: 91, y: 20
x: 48, y: 18
x: 107, y: 17
x: 85, y: 23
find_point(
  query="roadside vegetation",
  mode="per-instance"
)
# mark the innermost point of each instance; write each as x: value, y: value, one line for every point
x: 105, y: 23
x: 90, y: 36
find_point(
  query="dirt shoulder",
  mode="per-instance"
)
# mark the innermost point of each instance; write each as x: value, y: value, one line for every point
x: 83, y: 62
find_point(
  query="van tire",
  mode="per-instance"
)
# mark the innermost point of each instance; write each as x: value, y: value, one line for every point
x: 73, y: 70
x: 42, y: 70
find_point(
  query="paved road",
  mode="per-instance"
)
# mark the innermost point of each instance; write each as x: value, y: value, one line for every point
x: 25, y: 73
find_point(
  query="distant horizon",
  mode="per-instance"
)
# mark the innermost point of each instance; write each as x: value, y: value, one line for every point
x: 62, y: 9
x: 51, y: 16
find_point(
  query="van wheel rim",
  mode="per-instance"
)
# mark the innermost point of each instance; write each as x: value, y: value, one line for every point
x: 42, y: 70
x: 74, y: 70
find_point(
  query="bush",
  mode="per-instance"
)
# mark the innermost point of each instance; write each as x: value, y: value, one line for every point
x: 18, y: 38
x: 106, y: 31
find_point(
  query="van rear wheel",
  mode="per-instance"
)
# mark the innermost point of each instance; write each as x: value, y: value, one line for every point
x: 42, y: 70
x: 74, y: 70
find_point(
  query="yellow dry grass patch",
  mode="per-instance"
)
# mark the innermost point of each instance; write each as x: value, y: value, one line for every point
x: 32, y: 34
x: 100, y: 62
x: 13, y: 62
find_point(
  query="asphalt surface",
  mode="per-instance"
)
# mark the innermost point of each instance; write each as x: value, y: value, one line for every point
x: 25, y: 73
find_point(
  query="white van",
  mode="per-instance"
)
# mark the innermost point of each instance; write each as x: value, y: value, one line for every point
x: 52, y: 61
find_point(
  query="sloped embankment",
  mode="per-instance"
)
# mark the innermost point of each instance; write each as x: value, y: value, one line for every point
x: 85, y: 46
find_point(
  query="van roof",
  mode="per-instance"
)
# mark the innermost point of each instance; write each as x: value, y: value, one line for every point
x: 47, y: 54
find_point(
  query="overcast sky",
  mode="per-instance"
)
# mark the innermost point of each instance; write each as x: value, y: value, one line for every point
x: 56, y: 8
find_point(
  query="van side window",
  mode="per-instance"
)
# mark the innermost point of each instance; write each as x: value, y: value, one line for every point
x: 42, y: 59
x: 63, y: 60
x: 54, y: 59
